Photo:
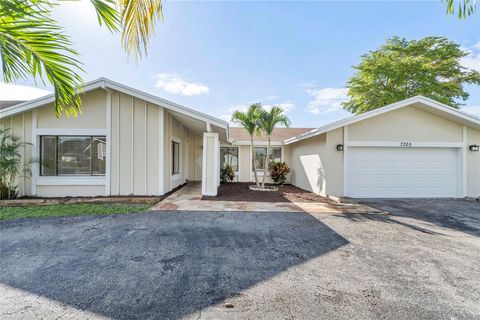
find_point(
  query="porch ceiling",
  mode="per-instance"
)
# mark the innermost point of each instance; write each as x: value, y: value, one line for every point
x: 198, y: 126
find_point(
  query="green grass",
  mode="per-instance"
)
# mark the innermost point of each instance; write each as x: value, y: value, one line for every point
x: 64, y: 210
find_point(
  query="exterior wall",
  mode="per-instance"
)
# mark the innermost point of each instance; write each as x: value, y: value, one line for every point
x: 406, y: 124
x: 318, y: 167
x: 308, y: 164
x: 134, y: 146
x: 66, y: 191
x: 30, y: 125
x: 92, y: 114
x: 334, y: 162
x: 473, y: 165
x: 21, y: 127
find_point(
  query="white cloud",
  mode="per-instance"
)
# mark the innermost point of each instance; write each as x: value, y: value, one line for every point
x: 472, y: 61
x: 14, y: 92
x: 326, y: 100
x: 475, y: 110
x: 173, y: 83
x: 287, y: 106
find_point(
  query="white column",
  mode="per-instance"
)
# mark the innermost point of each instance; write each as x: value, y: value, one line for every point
x: 210, y: 164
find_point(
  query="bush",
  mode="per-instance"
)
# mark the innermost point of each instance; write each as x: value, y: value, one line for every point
x: 278, y: 172
x: 12, y: 166
x: 227, y: 174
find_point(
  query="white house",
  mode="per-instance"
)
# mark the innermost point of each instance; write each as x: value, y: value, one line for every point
x: 128, y: 142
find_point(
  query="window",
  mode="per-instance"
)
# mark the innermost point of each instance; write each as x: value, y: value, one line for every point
x: 175, y: 157
x: 72, y: 155
x: 261, y: 153
x: 229, y: 156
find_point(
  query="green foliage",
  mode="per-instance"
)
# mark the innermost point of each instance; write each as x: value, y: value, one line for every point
x: 250, y: 120
x: 11, y: 164
x: 401, y: 69
x: 64, y: 210
x: 464, y: 7
x: 269, y: 120
x: 227, y: 174
x: 278, y: 172
x: 33, y: 44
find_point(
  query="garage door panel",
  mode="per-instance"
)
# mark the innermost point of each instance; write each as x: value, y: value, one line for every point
x: 399, y: 172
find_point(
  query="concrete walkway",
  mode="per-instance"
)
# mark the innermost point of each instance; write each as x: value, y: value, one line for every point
x: 189, y: 198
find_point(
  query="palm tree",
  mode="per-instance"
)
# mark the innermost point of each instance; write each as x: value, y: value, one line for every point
x: 32, y: 44
x: 250, y: 120
x: 269, y: 120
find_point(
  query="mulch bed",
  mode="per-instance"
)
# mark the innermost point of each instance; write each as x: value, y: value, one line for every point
x: 239, y: 191
x: 30, y: 201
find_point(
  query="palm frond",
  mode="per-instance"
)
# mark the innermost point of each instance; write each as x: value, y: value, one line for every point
x: 33, y: 44
x: 250, y: 119
x: 138, y: 19
x: 465, y: 8
x: 273, y: 118
x: 107, y: 14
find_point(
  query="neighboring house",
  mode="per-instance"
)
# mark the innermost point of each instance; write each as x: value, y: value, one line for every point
x: 129, y: 142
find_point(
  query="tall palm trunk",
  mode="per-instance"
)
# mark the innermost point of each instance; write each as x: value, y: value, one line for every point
x: 265, y: 163
x: 253, y: 164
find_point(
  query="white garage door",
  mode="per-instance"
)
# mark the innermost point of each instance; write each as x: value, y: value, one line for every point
x: 402, y: 172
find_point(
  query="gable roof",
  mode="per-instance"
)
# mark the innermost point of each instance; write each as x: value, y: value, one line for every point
x: 420, y: 101
x: 104, y: 83
x: 278, y: 134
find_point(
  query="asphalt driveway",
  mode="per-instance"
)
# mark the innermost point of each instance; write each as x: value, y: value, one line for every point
x: 419, y: 262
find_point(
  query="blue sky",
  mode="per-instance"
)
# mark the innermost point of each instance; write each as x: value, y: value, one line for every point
x: 219, y: 56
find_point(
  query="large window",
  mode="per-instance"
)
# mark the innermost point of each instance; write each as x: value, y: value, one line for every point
x: 175, y: 157
x: 261, y: 153
x: 72, y: 155
x: 229, y: 156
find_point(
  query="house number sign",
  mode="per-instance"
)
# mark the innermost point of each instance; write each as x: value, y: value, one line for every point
x: 405, y: 144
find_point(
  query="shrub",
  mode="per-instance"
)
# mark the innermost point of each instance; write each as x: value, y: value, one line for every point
x: 11, y: 165
x: 278, y: 172
x: 227, y: 174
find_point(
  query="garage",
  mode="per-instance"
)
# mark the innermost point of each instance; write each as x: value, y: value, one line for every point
x: 414, y: 148
x: 396, y: 172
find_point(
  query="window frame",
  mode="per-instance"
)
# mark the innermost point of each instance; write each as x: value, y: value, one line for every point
x: 91, y: 137
x: 173, y: 173
x: 238, y: 156
x: 264, y: 147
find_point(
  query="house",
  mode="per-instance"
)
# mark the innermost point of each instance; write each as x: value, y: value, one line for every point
x: 128, y: 142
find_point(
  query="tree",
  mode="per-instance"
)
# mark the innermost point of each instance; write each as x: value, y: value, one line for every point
x: 464, y: 8
x: 401, y: 69
x: 32, y: 44
x: 250, y: 120
x: 268, y: 121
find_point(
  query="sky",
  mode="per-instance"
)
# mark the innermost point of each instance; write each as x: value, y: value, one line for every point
x: 221, y: 56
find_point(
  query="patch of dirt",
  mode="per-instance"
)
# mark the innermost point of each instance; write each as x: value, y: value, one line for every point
x: 239, y: 191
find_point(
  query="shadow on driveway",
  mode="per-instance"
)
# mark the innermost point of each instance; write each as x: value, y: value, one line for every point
x: 156, y: 265
x: 456, y: 214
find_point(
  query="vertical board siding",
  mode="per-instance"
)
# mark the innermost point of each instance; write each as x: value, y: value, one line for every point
x: 126, y: 142
x: 135, y: 147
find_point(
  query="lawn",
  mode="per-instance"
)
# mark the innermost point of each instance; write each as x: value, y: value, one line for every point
x: 64, y: 210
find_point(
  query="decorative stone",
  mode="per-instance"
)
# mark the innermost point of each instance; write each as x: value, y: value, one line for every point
x: 267, y: 188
